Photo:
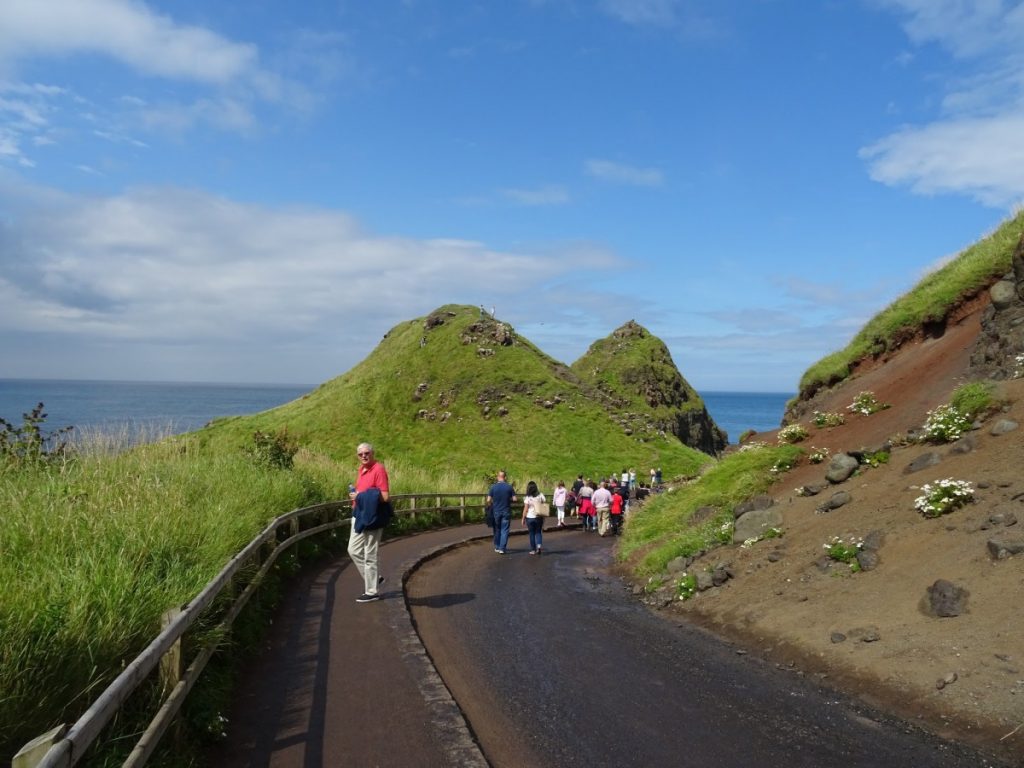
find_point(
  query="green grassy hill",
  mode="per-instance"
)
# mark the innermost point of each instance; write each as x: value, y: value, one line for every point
x: 649, y: 395
x: 456, y: 392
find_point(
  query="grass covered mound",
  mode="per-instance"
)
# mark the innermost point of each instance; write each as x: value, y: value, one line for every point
x: 460, y: 391
x: 635, y: 370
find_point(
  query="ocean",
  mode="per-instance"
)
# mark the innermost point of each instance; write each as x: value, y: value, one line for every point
x: 162, y: 408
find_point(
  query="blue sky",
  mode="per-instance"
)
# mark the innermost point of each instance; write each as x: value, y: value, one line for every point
x: 256, y: 192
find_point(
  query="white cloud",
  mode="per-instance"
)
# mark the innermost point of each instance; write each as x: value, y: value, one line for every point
x: 159, y: 267
x: 977, y: 144
x: 982, y: 157
x: 619, y: 173
x: 128, y: 31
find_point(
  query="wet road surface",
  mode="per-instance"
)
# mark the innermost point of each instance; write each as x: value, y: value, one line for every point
x: 554, y: 664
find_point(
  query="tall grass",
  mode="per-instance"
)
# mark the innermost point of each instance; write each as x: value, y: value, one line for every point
x: 97, y: 544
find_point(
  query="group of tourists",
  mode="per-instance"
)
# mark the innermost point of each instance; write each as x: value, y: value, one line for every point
x: 601, y: 505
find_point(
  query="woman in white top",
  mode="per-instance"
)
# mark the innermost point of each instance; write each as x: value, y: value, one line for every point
x: 558, y: 499
x: 533, y: 522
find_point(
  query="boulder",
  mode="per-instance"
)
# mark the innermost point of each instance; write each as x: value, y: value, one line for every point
x: 945, y: 599
x: 1003, y: 426
x: 841, y: 467
x: 756, y: 503
x: 755, y: 523
x: 835, y: 502
x: 923, y: 461
x: 1004, y: 294
x: 867, y: 559
x: 1002, y: 547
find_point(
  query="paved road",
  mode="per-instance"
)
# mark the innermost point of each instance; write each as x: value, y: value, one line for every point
x: 555, y: 665
x: 551, y: 664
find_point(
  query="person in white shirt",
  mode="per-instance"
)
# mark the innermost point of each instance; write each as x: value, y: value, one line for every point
x: 602, y: 500
x: 558, y: 499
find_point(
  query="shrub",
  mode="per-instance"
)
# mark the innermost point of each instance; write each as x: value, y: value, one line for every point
x: 828, y: 419
x: 943, y: 497
x: 29, y: 444
x: 273, y: 450
x: 945, y: 424
x: 794, y: 433
x: 844, y: 551
x: 866, y: 403
x: 686, y: 587
x: 973, y: 399
x: 817, y: 455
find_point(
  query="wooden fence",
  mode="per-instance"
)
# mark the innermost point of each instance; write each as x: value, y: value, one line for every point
x: 240, y: 578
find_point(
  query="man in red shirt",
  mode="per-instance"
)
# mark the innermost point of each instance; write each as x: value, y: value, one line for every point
x: 363, y: 545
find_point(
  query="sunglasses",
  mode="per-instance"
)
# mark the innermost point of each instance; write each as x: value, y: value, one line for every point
x: 362, y: 453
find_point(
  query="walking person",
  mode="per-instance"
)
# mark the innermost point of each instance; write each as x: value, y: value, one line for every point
x: 371, y: 511
x: 602, y: 500
x: 534, y: 522
x: 558, y: 499
x: 500, y: 498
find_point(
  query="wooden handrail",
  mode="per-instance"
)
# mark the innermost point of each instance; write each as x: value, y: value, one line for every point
x: 63, y: 747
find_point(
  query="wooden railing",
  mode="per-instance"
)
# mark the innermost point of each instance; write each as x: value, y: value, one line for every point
x: 237, y: 581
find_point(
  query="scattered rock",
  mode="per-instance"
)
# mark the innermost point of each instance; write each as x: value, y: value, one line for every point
x: 1003, y: 426
x: 756, y: 503
x: 948, y: 679
x: 964, y: 445
x: 945, y: 599
x: 841, y: 467
x: 811, y: 489
x: 923, y: 461
x: 835, y: 502
x: 1004, y: 294
x: 755, y: 523
x: 838, y: 637
x: 873, y: 541
x: 1006, y: 545
x: 774, y: 557
x: 867, y: 559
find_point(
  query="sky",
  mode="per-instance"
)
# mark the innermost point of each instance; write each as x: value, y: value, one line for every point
x: 256, y: 192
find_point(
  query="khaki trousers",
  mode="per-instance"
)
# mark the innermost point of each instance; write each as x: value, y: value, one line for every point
x: 603, y: 521
x: 362, y: 548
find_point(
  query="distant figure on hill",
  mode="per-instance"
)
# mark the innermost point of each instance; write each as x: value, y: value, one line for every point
x: 499, y: 499
x: 654, y: 474
x: 632, y: 478
x: 370, y: 513
x: 483, y: 312
x: 657, y: 476
x: 533, y: 521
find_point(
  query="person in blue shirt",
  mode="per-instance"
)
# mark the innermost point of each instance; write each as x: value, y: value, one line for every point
x: 500, y: 499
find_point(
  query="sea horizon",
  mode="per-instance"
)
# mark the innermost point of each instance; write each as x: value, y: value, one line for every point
x: 154, y: 406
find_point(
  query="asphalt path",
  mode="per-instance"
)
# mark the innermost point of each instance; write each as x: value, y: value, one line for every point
x: 553, y: 663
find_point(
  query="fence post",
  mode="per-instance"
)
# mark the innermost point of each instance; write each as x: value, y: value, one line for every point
x: 412, y: 508
x: 462, y: 508
x: 32, y: 753
x: 172, y: 667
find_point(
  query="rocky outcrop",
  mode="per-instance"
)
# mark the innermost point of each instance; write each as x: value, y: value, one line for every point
x: 1001, y: 340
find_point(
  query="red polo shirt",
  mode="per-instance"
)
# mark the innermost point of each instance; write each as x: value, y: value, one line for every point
x: 372, y: 475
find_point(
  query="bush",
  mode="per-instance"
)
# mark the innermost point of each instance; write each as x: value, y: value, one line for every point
x: 273, y: 450
x: 29, y: 444
x: 974, y: 399
x: 943, y: 497
x: 794, y: 433
x: 945, y: 424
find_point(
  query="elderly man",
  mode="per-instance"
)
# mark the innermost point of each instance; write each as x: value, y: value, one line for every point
x: 602, y: 500
x: 369, y: 500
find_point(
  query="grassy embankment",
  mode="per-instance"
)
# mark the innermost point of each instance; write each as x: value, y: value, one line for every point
x: 929, y: 302
x: 667, y: 526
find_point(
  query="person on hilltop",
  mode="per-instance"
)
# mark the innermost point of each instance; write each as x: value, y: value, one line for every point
x: 602, y: 500
x: 558, y: 499
x: 632, y: 479
x: 534, y: 522
x: 500, y: 498
x: 654, y: 474
x: 371, y: 511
